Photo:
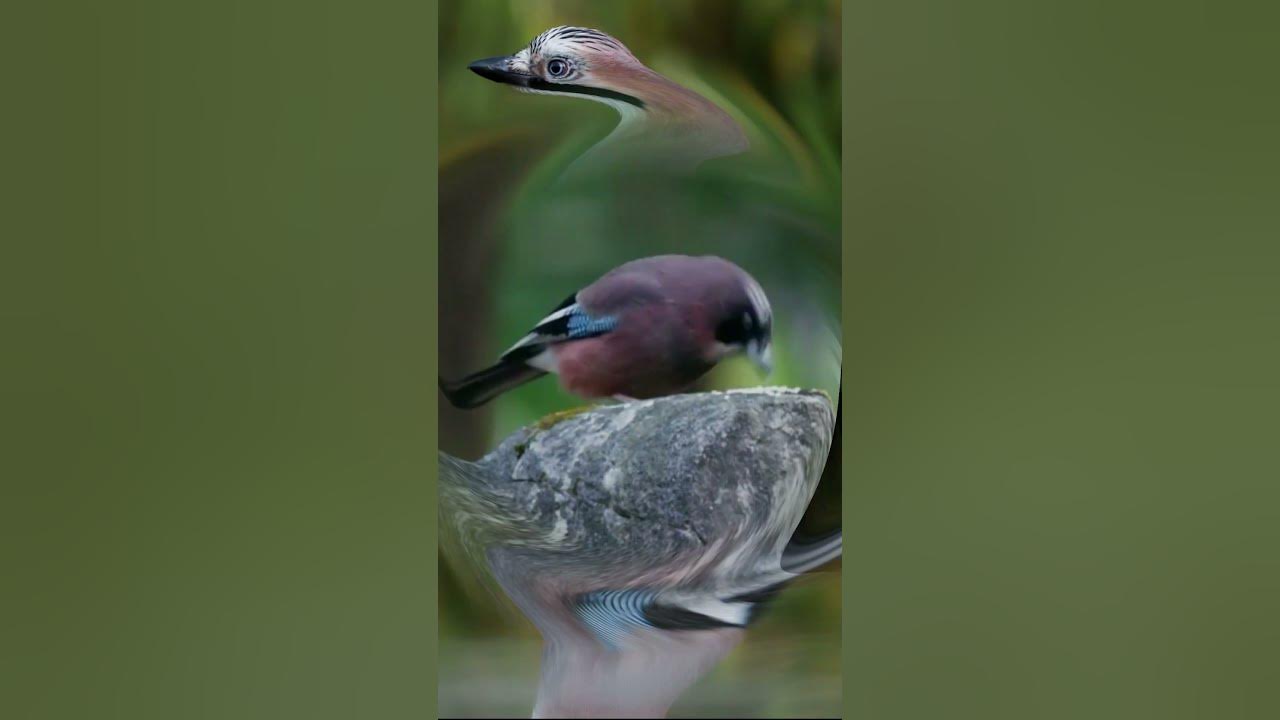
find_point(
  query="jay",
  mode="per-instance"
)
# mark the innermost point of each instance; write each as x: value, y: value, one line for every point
x: 648, y: 328
x: 662, y: 123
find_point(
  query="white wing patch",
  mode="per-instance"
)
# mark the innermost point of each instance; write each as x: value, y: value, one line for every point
x: 536, y: 336
x: 728, y: 612
x: 570, y: 321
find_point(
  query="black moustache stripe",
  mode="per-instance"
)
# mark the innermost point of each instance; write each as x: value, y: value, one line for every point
x: 538, y: 84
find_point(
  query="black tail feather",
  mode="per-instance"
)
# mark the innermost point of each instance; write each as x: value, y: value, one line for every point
x: 804, y: 554
x: 480, y: 387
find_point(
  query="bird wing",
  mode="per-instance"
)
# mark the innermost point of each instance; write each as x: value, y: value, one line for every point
x: 569, y: 321
x: 631, y: 663
x: 612, y: 615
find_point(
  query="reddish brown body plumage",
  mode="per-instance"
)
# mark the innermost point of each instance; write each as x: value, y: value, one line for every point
x: 656, y: 363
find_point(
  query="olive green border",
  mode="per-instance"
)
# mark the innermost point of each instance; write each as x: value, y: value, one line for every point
x: 430, y: 314
x: 847, y: 117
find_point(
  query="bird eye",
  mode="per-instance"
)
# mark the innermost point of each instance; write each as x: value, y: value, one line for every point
x: 557, y: 68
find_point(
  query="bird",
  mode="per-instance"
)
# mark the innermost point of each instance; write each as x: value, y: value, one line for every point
x: 649, y: 327
x: 632, y: 651
x: 663, y: 124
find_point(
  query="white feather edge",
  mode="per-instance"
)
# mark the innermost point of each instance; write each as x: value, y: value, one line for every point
x: 733, y: 613
x: 534, y: 337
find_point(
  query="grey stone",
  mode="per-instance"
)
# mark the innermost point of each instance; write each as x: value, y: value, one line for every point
x: 645, y: 483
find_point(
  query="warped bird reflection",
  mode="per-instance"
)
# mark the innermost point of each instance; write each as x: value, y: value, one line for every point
x: 643, y: 539
x: 662, y: 123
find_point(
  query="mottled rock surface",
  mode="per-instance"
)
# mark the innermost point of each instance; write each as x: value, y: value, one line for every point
x: 648, y: 481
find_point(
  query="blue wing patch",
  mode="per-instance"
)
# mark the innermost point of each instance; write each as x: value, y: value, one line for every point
x: 581, y: 325
x: 611, y: 615
x: 570, y: 321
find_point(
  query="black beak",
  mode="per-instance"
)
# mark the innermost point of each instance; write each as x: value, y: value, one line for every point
x: 498, y: 69
x: 495, y: 69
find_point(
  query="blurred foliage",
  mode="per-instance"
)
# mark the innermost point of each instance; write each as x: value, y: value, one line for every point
x: 521, y: 240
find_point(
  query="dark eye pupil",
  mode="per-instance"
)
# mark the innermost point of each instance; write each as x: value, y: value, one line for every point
x: 557, y: 67
x: 731, y: 331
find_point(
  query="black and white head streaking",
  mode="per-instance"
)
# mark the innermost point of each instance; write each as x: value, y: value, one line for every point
x: 662, y: 123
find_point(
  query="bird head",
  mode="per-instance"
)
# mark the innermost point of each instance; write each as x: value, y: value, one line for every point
x: 664, y: 125
x: 745, y: 324
x: 570, y: 61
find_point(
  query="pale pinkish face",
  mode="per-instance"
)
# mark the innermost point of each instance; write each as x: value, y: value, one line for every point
x: 569, y: 61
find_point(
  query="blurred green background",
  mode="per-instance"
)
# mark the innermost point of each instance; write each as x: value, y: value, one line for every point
x: 1063, y: 497
x: 515, y: 241
x: 218, y: 306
